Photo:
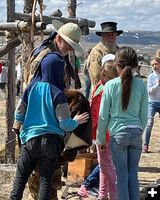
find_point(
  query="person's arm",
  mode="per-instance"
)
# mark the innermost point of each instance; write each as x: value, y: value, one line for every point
x: 152, y: 87
x: 144, y: 108
x: 20, y: 112
x: 65, y: 121
x: 19, y: 118
x: 103, y: 117
x: 95, y: 66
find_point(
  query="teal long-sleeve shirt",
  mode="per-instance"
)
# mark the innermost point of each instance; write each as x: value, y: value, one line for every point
x: 111, y: 115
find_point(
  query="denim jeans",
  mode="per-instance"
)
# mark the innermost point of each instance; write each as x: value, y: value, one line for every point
x: 93, y: 179
x: 87, y: 86
x: 153, y: 107
x: 126, y: 148
x: 44, y: 151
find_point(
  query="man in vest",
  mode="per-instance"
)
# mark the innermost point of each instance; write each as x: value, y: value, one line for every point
x: 107, y: 45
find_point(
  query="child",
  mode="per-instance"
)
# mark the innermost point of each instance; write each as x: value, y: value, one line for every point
x: 123, y: 111
x: 154, y: 100
x: 106, y: 169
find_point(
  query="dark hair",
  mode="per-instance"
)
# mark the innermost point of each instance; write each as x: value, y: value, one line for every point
x: 126, y: 59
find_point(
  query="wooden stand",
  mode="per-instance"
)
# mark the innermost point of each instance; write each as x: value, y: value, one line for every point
x: 81, y: 167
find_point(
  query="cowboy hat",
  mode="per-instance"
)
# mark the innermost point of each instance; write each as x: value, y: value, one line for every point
x: 70, y: 32
x: 109, y: 27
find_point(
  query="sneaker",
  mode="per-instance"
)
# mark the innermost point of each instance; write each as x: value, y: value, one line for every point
x: 145, y: 149
x: 83, y: 192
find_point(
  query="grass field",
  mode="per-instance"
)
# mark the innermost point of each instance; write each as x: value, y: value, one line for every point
x: 149, y: 168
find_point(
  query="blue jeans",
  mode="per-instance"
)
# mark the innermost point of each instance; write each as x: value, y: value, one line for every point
x: 93, y: 179
x: 126, y: 148
x: 153, y: 107
x: 87, y: 86
x: 44, y: 151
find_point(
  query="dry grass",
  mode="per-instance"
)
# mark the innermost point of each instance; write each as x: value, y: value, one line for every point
x: 149, y: 170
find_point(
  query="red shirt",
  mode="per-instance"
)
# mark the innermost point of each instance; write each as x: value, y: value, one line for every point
x: 95, y: 106
x: 0, y: 68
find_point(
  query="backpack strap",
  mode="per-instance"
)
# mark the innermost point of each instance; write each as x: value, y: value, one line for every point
x: 34, y: 62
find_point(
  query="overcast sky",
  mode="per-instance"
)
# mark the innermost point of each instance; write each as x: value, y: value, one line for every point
x: 130, y: 14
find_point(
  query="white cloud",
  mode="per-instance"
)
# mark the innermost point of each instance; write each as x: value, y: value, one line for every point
x: 130, y: 14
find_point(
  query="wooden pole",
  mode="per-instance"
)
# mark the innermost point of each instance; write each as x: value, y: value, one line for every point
x: 9, y: 46
x: 21, y: 26
x: 41, y: 16
x: 48, y: 19
x: 33, y: 22
x: 71, y: 8
x: 26, y: 45
x: 10, y: 103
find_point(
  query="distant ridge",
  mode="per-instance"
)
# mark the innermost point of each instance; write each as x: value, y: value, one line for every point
x: 129, y: 37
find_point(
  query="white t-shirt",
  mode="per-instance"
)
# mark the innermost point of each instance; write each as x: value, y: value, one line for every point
x: 19, y: 71
x: 3, y: 75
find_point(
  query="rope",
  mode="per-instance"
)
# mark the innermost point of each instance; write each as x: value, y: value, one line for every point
x: 11, y: 140
x: 3, y: 141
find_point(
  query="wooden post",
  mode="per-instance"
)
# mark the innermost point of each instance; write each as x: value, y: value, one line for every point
x: 21, y: 26
x: 72, y: 13
x: 48, y: 19
x: 10, y: 103
x: 71, y: 8
x: 41, y: 16
x: 26, y: 44
x: 33, y: 22
x: 9, y: 46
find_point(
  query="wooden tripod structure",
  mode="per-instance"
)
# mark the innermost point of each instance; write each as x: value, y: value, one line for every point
x: 20, y: 29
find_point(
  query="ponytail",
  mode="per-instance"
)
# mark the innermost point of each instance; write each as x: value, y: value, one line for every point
x: 126, y: 59
x: 126, y: 77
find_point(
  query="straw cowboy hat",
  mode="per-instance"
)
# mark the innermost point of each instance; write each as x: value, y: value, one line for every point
x: 109, y: 27
x: 70, y: 32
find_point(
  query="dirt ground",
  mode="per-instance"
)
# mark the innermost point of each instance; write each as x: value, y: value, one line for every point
x: 149, y: 168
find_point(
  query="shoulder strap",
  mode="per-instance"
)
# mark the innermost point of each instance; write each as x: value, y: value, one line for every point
x: 33, y: 63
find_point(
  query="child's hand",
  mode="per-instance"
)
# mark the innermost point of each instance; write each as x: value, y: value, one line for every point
x: 102, y: 146
x: 82, y: 118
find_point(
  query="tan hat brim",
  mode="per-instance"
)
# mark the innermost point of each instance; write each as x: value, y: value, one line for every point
x: 76, y: 46
x: 57, y: 24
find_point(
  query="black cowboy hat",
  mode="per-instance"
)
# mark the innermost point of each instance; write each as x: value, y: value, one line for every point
x: 109, y: 27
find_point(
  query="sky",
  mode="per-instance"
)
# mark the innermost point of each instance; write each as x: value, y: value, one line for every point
x: 129, y: 14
